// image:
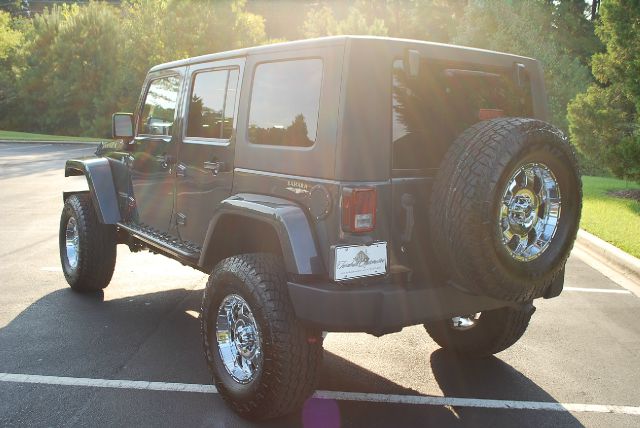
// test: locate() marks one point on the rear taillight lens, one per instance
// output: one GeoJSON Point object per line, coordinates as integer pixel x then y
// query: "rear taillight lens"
{"type": "Point", "coordinates": [358, 209]}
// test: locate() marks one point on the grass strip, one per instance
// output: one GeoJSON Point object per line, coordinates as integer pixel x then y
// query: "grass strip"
{"type": "Point", "coordinates": [611, 218]}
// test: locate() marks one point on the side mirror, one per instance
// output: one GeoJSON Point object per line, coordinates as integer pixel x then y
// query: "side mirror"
{"type": "Point", "coordinates": [122, 126]}
{"type": "Point", "coordinates": [412, 62]}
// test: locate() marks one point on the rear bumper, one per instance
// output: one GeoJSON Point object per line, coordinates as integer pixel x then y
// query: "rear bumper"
{"type": "Point", "coordinates": [381, 308]}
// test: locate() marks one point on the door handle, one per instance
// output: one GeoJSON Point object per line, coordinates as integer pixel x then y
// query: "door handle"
{"type": "Point", "coordinates": [215, 166]}
{"type": "Point", "coordinates": [166, 160]}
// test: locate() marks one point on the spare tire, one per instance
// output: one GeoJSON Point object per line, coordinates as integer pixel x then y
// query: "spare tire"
{"type": "Point", "coordinates": [505, 208]}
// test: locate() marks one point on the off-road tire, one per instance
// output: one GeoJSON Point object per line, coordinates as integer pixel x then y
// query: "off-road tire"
{"type": "Point", "coordinates": [495, 331]}
{"type": "Point", "coordinates": [96, 247]}
{"type": "Point", "coordinates": [291, 353]}
{"type": "Point", "coordinates": [467, 197]}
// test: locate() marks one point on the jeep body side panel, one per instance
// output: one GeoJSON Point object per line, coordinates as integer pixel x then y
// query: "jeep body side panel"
{"type": "Point", "coordinates": [320, 201]}
{"type": "Point", "coordinates": [289, 221]}
{"type": "Point", "coordinates": [101, 185]}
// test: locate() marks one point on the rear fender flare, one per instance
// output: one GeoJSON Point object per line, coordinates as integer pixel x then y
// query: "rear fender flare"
{"type": "Point", "coordinates": [297, 241]}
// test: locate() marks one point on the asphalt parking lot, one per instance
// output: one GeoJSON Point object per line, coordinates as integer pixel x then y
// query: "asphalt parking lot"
{"type": "Point", "coordinates": [132, 355]}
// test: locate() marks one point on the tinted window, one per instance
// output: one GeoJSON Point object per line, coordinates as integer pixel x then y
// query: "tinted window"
{"type": "Point", "coordinates": [285, 102]}
{"type": "Point", "coordinates": [212, 104]}
{"type": "Point", "coordinates": [431, 110]}
{"type": "Point", "coordinates": [160, 106]}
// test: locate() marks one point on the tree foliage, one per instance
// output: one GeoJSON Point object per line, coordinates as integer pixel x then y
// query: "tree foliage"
{"type": "Point", "coordinates": [12, 33]}
{"type": "Point", "coordinates": [83, 62]}
{"type": "Point", "coordinates": [432, 20]}
{"type": "Point", "coordinates": [605, 120]}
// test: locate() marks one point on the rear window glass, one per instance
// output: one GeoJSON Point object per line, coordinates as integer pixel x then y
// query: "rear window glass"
{"type": "Point", "coordinates": [212, 104]}
{"type": "Point", "coordinates": [285, 102]}
{"type": "Point", "coordinates": [432, 109]}
{"type": "Point", "coordinates": [159, 108]}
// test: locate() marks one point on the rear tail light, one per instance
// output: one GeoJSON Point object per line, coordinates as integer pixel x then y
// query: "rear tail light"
{"type": "Point", "coordinates": [358, 209]}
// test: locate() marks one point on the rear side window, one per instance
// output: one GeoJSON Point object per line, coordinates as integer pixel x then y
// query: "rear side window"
{"type": "Point", "coordinates": [212, 104]}
{"type": "Point", "coordinates": [158, 112]}
{"type": "Point", "coordinates": [285, 102]}
{"type": "Point", "coordinates": [432, 109]}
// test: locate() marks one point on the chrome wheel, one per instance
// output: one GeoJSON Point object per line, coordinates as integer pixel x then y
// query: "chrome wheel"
{"type": "Point", "coordinates": [467, 322]}
{"type": "Point", "coordinates": [238, 339]}
{"type": "Point", "coordinates": [530, 211]}
{"type": "Point", "coordinates": [72, 242]}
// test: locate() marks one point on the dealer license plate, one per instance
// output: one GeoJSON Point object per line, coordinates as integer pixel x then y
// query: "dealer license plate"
{"type": "Point", "coordinates": [357, 261]}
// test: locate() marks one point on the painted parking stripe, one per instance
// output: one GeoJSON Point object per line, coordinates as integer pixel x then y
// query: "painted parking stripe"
{"type": "Point", "coordinates": [330, 395]}
{"type": "Point", "coordinates": [476, 402]}
{"type": "Point", "coordinates": [108, 383]}
{"type": "Point", "coordinates": [598, 290]}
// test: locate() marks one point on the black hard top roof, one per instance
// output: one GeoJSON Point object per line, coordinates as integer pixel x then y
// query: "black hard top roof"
{"type": "Point", "coordinates": [312, 43]}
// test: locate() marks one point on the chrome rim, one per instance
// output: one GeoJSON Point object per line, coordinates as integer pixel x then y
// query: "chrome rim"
{"type": "Point", "coordinates": [72, 242]}
{"type": "Point", "coordinates": [464, 322]}
{"type": "Point", "coordinates": [238, 339]}
{"type": "Point", "coordinates": [530, 211]}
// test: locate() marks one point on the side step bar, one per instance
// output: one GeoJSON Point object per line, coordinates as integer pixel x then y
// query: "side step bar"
{"type": "Point", "coordinates": [186, 251]}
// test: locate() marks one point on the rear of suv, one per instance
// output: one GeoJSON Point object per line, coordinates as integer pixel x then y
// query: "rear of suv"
{"type": "Point", "coordinates": [336, 184]}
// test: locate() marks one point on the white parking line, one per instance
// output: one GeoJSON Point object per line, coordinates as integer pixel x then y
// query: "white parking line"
{"type": "Point", "coordinates": [331, 395]}
{"type": "Point", "coordinates": [614, 275]}
{"type": "Point", "coordinates": [598, 290]}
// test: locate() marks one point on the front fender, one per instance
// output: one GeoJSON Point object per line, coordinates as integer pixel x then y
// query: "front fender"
{"type": "Point", "coordinates": [289, 221]}
{"type": "Point", "coordinates": [101, 186]}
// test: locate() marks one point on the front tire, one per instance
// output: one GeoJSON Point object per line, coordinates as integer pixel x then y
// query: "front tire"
{"type": "Point", "coordinates": [484, 334]}
{"type": "Point", "coordinates": [263, 361]}
{"type": "Point", "coordinates": [87, 247]}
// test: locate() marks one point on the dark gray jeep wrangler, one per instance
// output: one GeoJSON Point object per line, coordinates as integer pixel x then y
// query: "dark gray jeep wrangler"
{"type": "Point", "coordinates": [352, 184]}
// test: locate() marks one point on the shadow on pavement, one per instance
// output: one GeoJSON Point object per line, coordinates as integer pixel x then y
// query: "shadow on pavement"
{"type": "Point", "coordinates": [155, 337]}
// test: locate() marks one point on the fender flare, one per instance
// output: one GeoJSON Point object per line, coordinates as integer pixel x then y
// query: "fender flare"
{"type": "Point", "coordinates": [101, 186]}
{"type": "Point", "coordinates": [297, 240]}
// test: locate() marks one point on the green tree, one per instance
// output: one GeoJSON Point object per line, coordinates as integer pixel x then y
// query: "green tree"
{"type": "Point", "coordinates": [323, 22]}
{"type": "Point", "coordinates": [605, 120]}
{"type": "Point", "coordinates": [73, 58]}
{"type": "Point", "coordinates": [11, 64]}
{"type": "Point", "coordinates": [573, 30]}
{"type": "Point", "coordinates": [433, 20]}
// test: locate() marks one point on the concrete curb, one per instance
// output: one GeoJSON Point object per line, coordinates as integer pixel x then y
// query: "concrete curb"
{"type": "Point", "coordinates": [623, 262]}
{"type": "Point", "coordinates": [91, 143]}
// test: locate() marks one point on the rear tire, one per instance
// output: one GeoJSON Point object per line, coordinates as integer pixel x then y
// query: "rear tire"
{"type": "Point", "coordinates": [505, 208]}
{"type": "Point", "coordinates": [270, 368]}
{"type": "Point", "coordinates": [493, 332]}
{"type": "Point", "coordinates": [87, 247]}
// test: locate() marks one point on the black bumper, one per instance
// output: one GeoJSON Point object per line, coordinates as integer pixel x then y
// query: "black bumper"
{"type": "Point", "coordinates": [381, 308]}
